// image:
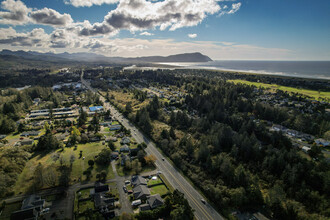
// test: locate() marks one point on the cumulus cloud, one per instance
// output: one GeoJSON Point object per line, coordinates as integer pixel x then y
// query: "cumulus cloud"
{"type": "Point", "coordinates": [16, 12]}
{"type": "Point", "coordinates": [51, 17]}
{"type": "Point", "coordinates": [145, 33]}
{"type": "Point", "coordinates": [36, 38]}
{"type": "Point", "coordinates": [192, 35]}
{"type": "Point", "coordinates": [137, 15]}
{"type": "Point", "coordinates": [89, 3]}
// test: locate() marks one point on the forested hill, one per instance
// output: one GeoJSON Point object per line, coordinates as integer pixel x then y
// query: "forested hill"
{"type": "Point", "coordinates": [97, 58]}
{"type": "Point", "coordinates": [185, 57]}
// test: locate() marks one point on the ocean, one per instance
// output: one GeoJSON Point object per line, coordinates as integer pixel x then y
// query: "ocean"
{"type": "Point", "coordinates": [304, 69]}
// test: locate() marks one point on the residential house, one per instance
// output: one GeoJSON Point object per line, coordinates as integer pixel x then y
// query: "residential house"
{"type": "Point", "coordinates": [99, 188]}
{"type": "Point", "coordinates": [31, 207]}
{"type": "Point", "coordinates": [102, 202]}
{"type": "Point", "coordinates": [114, 155]}
{"type": "Point", "coordinates": [138, 180]}
{"type": "Point", "coordinates": [30, 133]}
{"type": "Point", "coordinates": [155, 201]}
{"type": "Point", "coordinates": [2, 136]}
{"type": "Point", "coordinates": [26, 142]}
{"type": "Point", "coordinates": [322, 142]}
{"type": "Point", "coordinates": [115, 127]}
{"type": "Point", "coordinates": [144, 207]}
{"type": "Point", "coordinates": [125, 140]}
{"type": "Point", "coordinates": [141, 192]}
{"type": "Point", "coordinates": [125, 149]}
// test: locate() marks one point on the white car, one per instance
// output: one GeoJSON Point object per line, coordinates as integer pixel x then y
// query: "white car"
{"type": "Point", "coordinates": [159, 172]}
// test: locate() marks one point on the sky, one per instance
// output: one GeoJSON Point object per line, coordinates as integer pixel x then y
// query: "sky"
{"type": "Point", "coordinates": [221, 29]}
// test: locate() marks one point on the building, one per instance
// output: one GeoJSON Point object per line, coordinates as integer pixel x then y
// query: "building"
{"type": "Point", "coordinates": [26, 142]}
{"type": "Point", "coordinates": [125, 149]}
{"type": "Point", "coordinates": [155, 201]}
{"type": "Point", "coordinates": [138, 180]}
{"type": "Point", "coordinates": [141, 192]}
{"type": "Point", "coordinates": [125, 140]}
{"type": "Point", "coordinates": [31, 207]}
{"type": "Point", "coordinates": [322, 142]}
{"type": "Point", "coordinates": [30, 133]}
{"type": "Point", "coordinates": [115, 127]}
{"type": "Point", "coordinates": [2, 136]}
{"type": "Point", "coordinates": [99, 188]}
{"type": "Point", "coordinates": [96, 109]}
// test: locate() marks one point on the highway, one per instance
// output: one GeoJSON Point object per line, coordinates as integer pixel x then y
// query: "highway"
{"type": "Point", "coordinates": [201, 211]}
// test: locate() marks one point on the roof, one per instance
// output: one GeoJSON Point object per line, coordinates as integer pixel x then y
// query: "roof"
{"type": "Point", "coordinates": [99, 187]}
{"type": "Point", "coordinates": [30, 213]}
{"type": "Point", "coordinates": [141, 191]}
{"type": "Point", "coordinates": [95, 108]}
{"type": "Point", "coordinates": [30, 133]}
{"type": "Point", "coordinates": [32, 201]}
{"type": "Point", "coordinates": [144, 207]}
{"type": "Point", "coordinates": [138, 180]}
{"type": "Point", "coordinates": [155, 201]}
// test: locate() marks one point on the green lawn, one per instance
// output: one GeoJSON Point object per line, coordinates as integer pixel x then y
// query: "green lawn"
{"type": "Point", "coordinates": [84, 193]}
{"type": "Point", "coordinates": [9, 208]}
{"type": "Point", "coordinates": [160, 189]}
{"type": "Point", "coordinates": [83, 206]}
{"type": "Point", "coordinates": [273, 87]}
{"type": "Point", "coordinates": [154, 182]}
{"type": "Point", "coordinates": [90, 150]}
{"type": "Point", "coordinates": [169, 186]}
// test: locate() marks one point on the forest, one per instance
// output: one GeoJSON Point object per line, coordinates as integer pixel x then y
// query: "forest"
{"type": "Point", "coordinates": [237, 163]}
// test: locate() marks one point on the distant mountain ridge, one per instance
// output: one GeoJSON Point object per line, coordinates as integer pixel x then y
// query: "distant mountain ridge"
{"type": "Point", "coordinates": [92, 57]}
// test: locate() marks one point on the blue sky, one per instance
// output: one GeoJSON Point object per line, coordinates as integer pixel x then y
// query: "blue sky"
{"type": "Point", "coordinates": [224, 30]}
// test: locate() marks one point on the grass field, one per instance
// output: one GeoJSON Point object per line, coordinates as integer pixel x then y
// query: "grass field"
{"type": "Point", "coordinates": [273, 87]}
{"type": "Point", "coordinates": [154, 182]}
{"type": "Point", "coordinates": [160, 189]}
{"type": "Point", "coordinates": [122, 172]}
{"type": "Point", "coordinates": [90, 150]}
{"type": "Point", "coordinates": [121, 99]}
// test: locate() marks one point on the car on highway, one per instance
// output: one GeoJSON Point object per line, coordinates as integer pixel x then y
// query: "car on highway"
{"type": "Point", "coordinates": [163, 159]}
{"type": "Point", "coordinates": [159, 172]}
{"type": "Point", "coordinates": [203, 201]}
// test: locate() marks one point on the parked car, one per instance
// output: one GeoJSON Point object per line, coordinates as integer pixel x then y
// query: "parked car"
{"type": "Point", "coordinates": [125, 189]}
{"type": "Point", "coordinates": [127, 182]}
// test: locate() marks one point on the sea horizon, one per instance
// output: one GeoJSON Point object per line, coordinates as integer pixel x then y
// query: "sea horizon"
{"type": "Point", "coordinates": [300, 69]}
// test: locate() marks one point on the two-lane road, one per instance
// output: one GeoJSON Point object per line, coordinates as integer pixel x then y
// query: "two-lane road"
{"type": "Point", "coordinates": [202, 211]}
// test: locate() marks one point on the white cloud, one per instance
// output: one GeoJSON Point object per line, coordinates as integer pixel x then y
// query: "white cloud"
{"type": "Point", "coordinates": [16, 12]}
{"type": "Point", "coordinates": [235, 7]}
{"type": "Point", "coordinates": [145, 33]}
{"type": "Point", "coordinates": [192, 35]}
{"type": "Point", "coordinates": [89, 3]}
{"type": "Point", "coordinates": [51, 17]}
{"type": "Point", "coordinates": [137, 15]}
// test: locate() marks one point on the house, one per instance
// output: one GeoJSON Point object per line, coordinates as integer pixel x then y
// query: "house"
{"type": "Point", "coordinates": [141, 192]}
{"type": "Point", "coordinates": [102, 202]}
{"type": "Point", "coordinates": [306, 149]}
{"type": "Point", "coordinates": [144, 207]}
{"type": "Point", "coordinates": [125, 140]}
{"type": "Point", "coordinates": [138, 180]}
{"type": "Point", "coordinates": [154, 201]}
{"type": "Point", "coordinates": [2, 136]}
{"type": "Point", "coordinates": [33, 201]}
{"type": "Point", "coordinates": [99, 188]}
{"type": "Point", "coordinates": [322, 142]}
{"type": "Point", "coordinates": [114, 155]}
{"type": "Point", "coordinates": [123, 160]}
{"type": "Point", "coordinates": [26, 214]}
{"type": "Point", "coordinates": [125, 149]}
{"type": "Point", "coordinates": [96, 109]}
{"type": "Point", "coordinates": [115, 127]}
{"type": "Point", "coordinates": [26, 142]}
{"type": "Point", "coordinates": [30, 133]}
{"type": "Point", "coordinates": [113, 139]}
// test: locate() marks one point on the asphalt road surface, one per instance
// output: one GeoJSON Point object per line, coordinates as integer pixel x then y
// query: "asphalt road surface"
{"type": "Point", "coordinates": [202, 211]}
